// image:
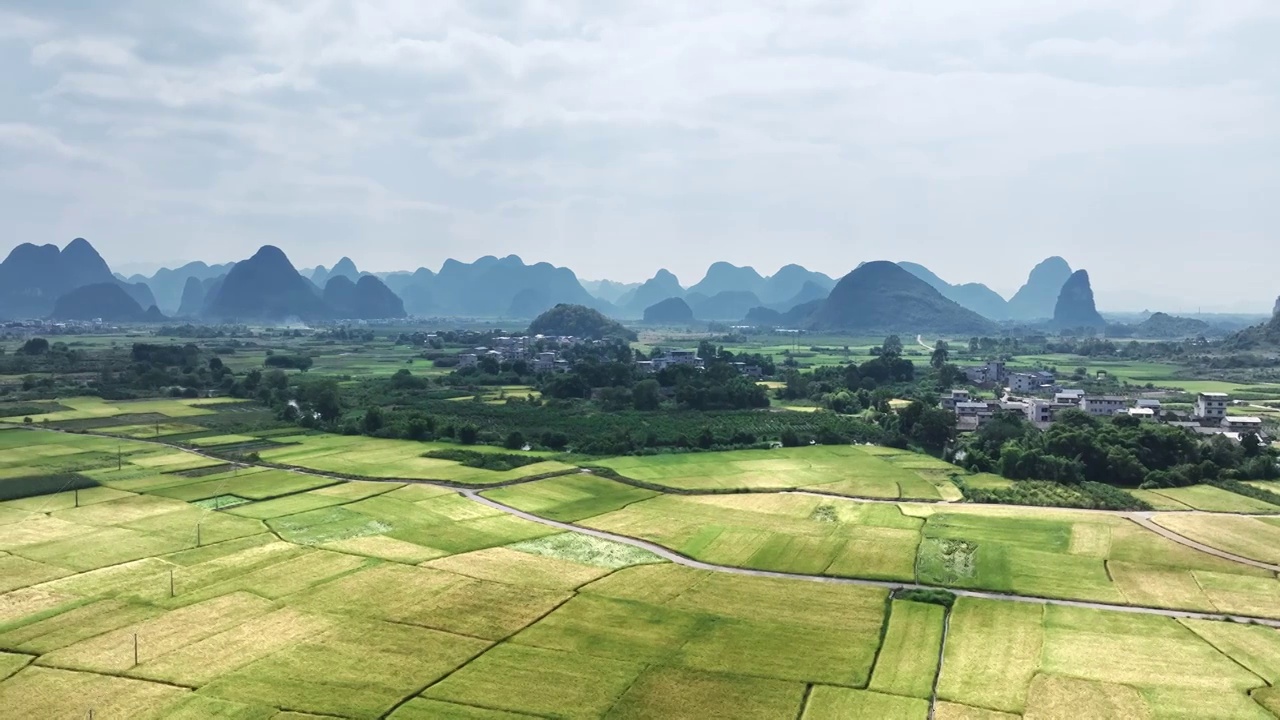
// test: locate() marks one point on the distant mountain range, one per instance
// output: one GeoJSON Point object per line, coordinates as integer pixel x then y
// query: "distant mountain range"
{"type": "Point", "coordinates": [267, 286]}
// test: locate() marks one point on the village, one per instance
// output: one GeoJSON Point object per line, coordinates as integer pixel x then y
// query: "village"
{"type": "Point", "coordinates": [1040, 397]}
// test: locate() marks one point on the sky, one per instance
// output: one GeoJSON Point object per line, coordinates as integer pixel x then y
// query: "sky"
{"type": "Point", "coordinates": [1139, 140]}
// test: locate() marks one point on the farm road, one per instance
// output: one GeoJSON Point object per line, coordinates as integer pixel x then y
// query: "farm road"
{"type": "Point", "coordinates": [1142, 519]}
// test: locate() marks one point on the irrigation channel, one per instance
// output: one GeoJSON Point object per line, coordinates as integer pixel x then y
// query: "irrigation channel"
{"type": "Point", "coordinates": [471, 493]}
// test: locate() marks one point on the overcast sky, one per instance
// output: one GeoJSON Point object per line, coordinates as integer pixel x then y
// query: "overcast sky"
{"type": "Point", "coordinates": [1138, 139]}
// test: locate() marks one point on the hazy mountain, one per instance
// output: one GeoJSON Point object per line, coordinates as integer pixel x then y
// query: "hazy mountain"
{"type": "Point", "coordinates": [673, 310]}
{"type": "Point", "coordinates": [723, 277]}
{"type": "Point", "coordinates": [974, 296]}
{"type": "Point", "coordinates": [726, 305]}
{"type": "Point", "coordinates": [107, 301]}
{"type": "Point", "coordinates": [265, 287]}
{"type": "Point", "coordinates": [344, 268]}
{"type": "Point", "coordinates": [168, 285]}
{"type": "Point", "coordinates": [1265, 335]}
{"type": "Point", "coordinates": [882, 296]}
{"type": "Point", "coordinates": [1163, 325]}
{"type": "Point", "coordinates": [366, 299]}
{"type": "Point", "coordinates": [1038, 297]}
{"type": "Point", "coordinates": [608, 290]}
{"type": "Point", "coordinates": [1075, 307]}
{"type": "Point", "coordinates": [33, 277]}
{"type": "Point", "coordinates": [578, 321]}
{"type": "Point", "coordinates": [490, 286]}
{"type": "Point", "coordinates": [192, 301]}
{"type": "Point", "coordinates": [790, 281]}
{"type": "Point", "coordinates": [661, 286]}
{"type": "Point", "coordinates": [807, 294]}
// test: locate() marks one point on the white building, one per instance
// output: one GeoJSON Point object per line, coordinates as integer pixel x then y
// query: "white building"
{"type": "Point", "coordinates": [677, 357]}
{"type": "Point", "coordinates": [1142, 413]}
{"type": "Point", "coordinates": [1103, 405]}
{"type": "Point", "coordinates": [1212, 405]}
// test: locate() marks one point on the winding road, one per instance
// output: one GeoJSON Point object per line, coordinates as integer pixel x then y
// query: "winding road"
{"type": "Point", "coordinates": [1141, 518]}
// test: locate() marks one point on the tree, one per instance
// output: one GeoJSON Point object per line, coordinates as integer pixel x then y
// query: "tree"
{"type": "Point", "coordinates": [34, 346]}
{"type": "Point", "coordinates": [514, 441]}
{"type": "Point", "coordinates": [372, 420]}
{"type": "Point", "coordinates": [646, 395]}
{"type": "Point", "coordinates": [892, 345]}
{"type": "Point", "coordinates": [467, 434]}
{"type": "Point", "coordinates": [934, 429]}
{"type": "Point", "coordinates": [940, 356]}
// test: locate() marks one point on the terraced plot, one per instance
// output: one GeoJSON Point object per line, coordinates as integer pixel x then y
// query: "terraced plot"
{"type": "Point", "coordinates": [842, 470]}
{"type": "Point", "coordinates": [377, 458]}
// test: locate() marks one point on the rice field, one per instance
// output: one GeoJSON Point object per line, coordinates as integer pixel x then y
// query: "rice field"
{"type": "Point", "coordinates": [1042, 552]}
{"type": "Point", "coordinates": [377, 458]}
{"type": "Point", "coordinates": [144, 596]}
{"type": "Point", "coordinates": [841, 470]}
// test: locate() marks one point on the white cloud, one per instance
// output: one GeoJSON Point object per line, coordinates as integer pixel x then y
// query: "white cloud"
{"type": "Point", "coordinates": [620, 137]}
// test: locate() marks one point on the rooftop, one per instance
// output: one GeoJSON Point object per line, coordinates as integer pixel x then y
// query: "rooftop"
{"type": "Point", "coordinates": [1214, 395]}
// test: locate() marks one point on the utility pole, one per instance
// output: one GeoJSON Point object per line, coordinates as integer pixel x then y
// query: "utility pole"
{"type": "Point", "coordinates": [77, 497]}
{"type": "Point", "coordinates": [119, 457]}
{"type": "Point", "coordinates": [170, 582]}
{"type": "Point", "coordinates": [135, 649]}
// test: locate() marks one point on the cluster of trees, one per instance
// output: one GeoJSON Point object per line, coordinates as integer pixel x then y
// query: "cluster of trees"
{"type": "Point", "coordinates": [1116, 451]}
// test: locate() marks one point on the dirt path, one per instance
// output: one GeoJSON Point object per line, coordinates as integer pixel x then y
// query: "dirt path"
{"type": "Point", "coordinates": [1144, 519]}
{"type": "Point", "coordinates": [675, 557]}
{"type": "Point", "coordinates": [1141, 518]}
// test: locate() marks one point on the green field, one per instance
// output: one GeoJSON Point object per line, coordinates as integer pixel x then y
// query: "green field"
{"type": "Point", "coordinates": [377, 458]}
{"type": "Point", "coordinates": [1042, 552]}
{"type": "Point", "coordinates": [841, 470]}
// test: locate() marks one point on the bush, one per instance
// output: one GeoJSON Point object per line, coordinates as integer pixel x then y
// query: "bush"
{"type": "Point", "coordinates": [933, 597]}
{"type": "Point", "coordinates": [499, 462]}
{"type": "Point", "coordinates": [467, 434]}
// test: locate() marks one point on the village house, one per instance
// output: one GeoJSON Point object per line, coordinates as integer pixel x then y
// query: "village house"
{"type": "Point", "coordinates": [1212, 405]}
{"type": "Point", "coordinates": [1104, 405]}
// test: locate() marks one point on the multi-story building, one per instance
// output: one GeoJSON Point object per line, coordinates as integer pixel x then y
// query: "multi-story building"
{"type": "Point", "coordinates": [957, 396]}
{"type": "Point", "coordinates": [468, 359]}
{"type": "Point", "coordinates": [1212, 405]}
{"type": "Point", "coordinates": [544, 362]}
{"type": "Point", "coordinates": [1030, 382]}
{"type": "Point", "coordinates": [1103, 405]}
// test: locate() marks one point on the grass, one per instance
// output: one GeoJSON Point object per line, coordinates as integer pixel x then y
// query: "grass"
{"type": "Point", "coordinates": [377, 458]}
{"type": "Point", "coordinates": [908, 658]}
{"type": "Point", "coordinates": [569, 498]}
{"type": "Point", "coordinates": [1247, 537]}
{"type": "Point", "coordinates": [385, 662]}
{"type": "Point", "coordinates": [535, 680]}
{"type": "Point", "coordinates": [1212, 499]}
{"type": "Point", "coordinates": [669, 692]}
{"type": "Point", "coordinates": [842, 470]}
{"type": "Point", "coordinates": [992, 652]}
{"type": "Point", "coordinates": [586, 550]}
{"type": "Point", "coordinates": [832, 703]}
{"type": "Point", "coordinates": [54, 693]}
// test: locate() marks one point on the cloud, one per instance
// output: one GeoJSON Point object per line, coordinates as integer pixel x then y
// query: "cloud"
{"type": "Point", "coordinates": [621, 137]}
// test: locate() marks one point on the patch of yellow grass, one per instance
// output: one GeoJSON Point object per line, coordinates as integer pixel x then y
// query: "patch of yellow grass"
{"type": "Point", "coordinates": [48, 693]}
{"type": "Point", "coordinates": [1159, 587]}
{"type": "Point", "coordinates": [505, 565]}
{"type": "Point", "coordinates": [1058, 698]}
{"type": "Point", "coordinates": [29, 601]}
{"type": "Point", "coordinates": [386, 548]}
{"type": "Point", "coordinates": [1090, 540]}
{"type": "Point", "coordinates": [112, 652]}
{"type": "Point", "coordinates": [955, 711]}
{"type": "Point", "coordinates": [204, 661]}
{"type": "Point", "coordinates": [992, 652]}
{"type": "Point", "coordinates": [1245, 536]}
